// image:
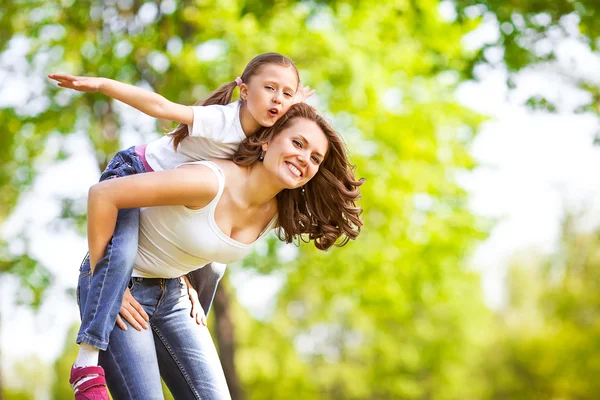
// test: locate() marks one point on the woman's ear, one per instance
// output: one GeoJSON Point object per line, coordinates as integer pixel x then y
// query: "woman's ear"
{"type": "Point", "coordinates": [265, 146]}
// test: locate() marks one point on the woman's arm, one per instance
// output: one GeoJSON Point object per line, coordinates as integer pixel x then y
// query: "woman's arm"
{"type": "Point", "coordinates": [144, 100]}
{"type": "Point", "coordinates": [193, 186]}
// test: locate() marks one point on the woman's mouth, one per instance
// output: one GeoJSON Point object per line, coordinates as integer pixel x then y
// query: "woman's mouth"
{"type": "Point", "coordinates": [294, 170]}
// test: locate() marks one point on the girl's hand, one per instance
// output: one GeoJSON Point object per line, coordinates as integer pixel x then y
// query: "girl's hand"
{"type": "Point", "coordinates": [80, 83]}
{"type": "Point", "coordinates": [197, 311]}
{"type": "Point", "coordinates": [133, 312]}
{"type": "Point", "coordinates": [303, 93]}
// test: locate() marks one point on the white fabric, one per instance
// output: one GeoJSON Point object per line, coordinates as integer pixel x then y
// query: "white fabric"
{"type": "Point", "coordinates": [175, 240]}
{"type": "Point", "coordinates": [216, 132]}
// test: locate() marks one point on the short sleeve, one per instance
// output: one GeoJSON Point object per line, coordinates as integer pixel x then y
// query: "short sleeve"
{"type": "Point", "coordinates": [210, 122]}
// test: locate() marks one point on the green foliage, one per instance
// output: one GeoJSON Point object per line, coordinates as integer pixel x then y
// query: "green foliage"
{"type": "Point", "coordinates": [34, 277]}
{"type": "Point", "coordinates": [552, 325]}
{"type": "Point", "coordinates": [61, 389]}
{"type": "Point", "coordinates": [528, 33]}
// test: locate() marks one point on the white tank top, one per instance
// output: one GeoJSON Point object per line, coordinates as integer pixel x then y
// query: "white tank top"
{"type": "Point", "coordinates": [174, 240]}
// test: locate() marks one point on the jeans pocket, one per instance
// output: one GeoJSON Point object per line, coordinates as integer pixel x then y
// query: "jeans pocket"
{"type": "Point", "coordinates": [118, 167]}
{"type": "Point", "coordinates": [77, 294]}
{"type": "Point", "coordinates": [85, 264]}
{"type": "Point", "coordinates": [133, 281]}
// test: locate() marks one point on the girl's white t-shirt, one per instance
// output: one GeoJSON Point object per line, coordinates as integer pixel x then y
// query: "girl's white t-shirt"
{"type": "Point", "coordinates": [216, 132]}
{"type": "Point", "coordinates": [175, 240]}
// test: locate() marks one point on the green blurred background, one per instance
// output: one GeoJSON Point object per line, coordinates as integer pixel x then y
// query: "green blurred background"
{"type": "Point", "coordinates": [401, 313]}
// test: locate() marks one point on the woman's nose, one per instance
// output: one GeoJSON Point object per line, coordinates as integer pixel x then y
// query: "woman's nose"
{"type": "Point", "coordinates": [302, 160]}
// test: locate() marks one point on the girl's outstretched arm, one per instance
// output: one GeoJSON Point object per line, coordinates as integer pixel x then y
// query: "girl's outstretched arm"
{"type": "Point", "coordinates": [144, 100]}
{"type": "Point", "coordinates": [193, 186]}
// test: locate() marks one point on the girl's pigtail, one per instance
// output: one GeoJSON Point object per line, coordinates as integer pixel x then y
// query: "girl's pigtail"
{"type": "Point", "coordinates": [221, 96]}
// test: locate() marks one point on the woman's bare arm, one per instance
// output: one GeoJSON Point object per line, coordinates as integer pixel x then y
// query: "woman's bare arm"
{"type": "Point", "coordinates": [193, 186]}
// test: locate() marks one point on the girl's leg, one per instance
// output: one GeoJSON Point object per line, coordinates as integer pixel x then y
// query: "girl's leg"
{"type": "Point", "coordinates": [130, 361]}
{"type": "Point", "coordinates": [108, 282]}
{"type": "Point", "coordinates": [187, 356]}
{"type": "Point", "coordinates": [100, 295]}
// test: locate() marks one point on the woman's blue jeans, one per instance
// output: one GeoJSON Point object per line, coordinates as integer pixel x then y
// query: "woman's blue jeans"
{"type": "Point", "coordinates": [175, 347]}
{"type": "Point", "coordinates": [107, 285]}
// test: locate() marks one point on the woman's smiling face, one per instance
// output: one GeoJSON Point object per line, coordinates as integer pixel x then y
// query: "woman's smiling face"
{"type": "Point", "coordinates": [295, 154]}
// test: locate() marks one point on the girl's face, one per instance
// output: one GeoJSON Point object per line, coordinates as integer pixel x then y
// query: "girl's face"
{"type": "Point", "coordinates": [295, 154]}
{"type": "Point", "coordinates": [270, 93]}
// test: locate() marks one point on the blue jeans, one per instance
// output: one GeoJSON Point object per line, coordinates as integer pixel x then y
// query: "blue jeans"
{"type": "Point", "coordinates": [112, 273]}
{"type": "Point", "coordinates": [174, 348]}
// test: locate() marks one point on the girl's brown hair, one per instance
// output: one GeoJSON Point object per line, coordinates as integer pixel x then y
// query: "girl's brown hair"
{"type": "Point", "coordinates": [223, 94]}
{"type": "Point", "coordinates": [326, 210]}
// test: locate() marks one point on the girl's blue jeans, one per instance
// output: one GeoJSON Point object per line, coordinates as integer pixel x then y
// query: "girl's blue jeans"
{"type": "Point", "coordinates": [175, 347]}
{"type": "Point", "coordinates": [106, 286]}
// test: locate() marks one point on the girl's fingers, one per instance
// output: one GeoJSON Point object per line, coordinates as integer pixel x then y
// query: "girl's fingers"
{"type": "Point", "coordinates": [62, 77]}
{"type": "Point", "coordinates": [66, 85]}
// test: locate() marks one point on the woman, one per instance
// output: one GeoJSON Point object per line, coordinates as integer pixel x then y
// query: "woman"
{"type": "Point", "coordinates": [294, 176]}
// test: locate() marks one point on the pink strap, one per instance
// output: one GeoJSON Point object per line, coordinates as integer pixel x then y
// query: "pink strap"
{"type": "Point", "coordinates": [78, 373]}
{"type": "Point", "coordinates": [97, 381]}
{"type": "Point", "coordinates": [238, 81]}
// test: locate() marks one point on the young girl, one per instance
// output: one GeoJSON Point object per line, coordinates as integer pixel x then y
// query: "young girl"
{"type": "Point", "coordinates": [269, 85]}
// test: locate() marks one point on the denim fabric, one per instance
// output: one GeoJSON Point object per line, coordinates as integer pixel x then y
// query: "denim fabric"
{"type": "Point", "coordinates": [110, 277]}
{"type": "Point", "coordinates": [109, 280]}
{"type": "Point", "coordinates": [174, 347]}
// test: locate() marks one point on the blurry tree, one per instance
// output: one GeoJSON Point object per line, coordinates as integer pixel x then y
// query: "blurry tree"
{"type": "Point", "coordinates": [550, 337]}
{"type": "Point", "coordinates": [62, 366]}
{"type": "Point", "coordinates": [525, 24]}
{"type": "Point", "coordinates": [30, 380]}
{"type": "Point", "coordinates": [529, 33]}
{"type": "Point", "coordinates": [397, 314]}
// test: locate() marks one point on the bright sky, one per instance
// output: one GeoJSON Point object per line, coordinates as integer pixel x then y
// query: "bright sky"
{"type": "Point", "coordinates": [534, 165]}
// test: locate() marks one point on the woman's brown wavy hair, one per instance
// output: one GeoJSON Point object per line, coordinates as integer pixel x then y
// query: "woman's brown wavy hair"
{"type": "Point", "coordinates": [327, 210]}
{"type": "Point", "coordinates": [223, 94]}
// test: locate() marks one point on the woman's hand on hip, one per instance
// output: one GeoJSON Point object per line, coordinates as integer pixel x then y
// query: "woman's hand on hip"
{"type": "Point", "coordinates": [133, 312]}
{"type": "Point", "coordinates": [197, 311]}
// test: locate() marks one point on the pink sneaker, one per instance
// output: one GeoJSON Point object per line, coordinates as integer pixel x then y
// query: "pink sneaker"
{"type": "Point", "coordinates": [91, 389]}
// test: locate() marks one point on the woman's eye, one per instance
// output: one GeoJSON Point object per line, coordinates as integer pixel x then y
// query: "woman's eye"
{"type": "Point", "coordinates": [297, 143]}
{"type": "Point", "coordinates": [316, 160]}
